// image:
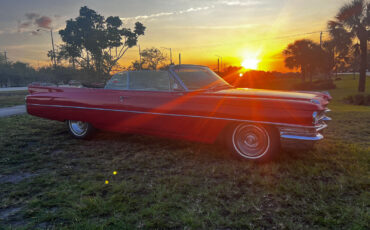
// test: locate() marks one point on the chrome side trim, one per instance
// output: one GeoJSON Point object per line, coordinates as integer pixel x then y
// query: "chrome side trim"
{"type": "Point", "coordinates": [327, 119]}
{"type": "Point", "coordinates": [316, 138]}
{"type": "Point", "coordinates": [177, 115]}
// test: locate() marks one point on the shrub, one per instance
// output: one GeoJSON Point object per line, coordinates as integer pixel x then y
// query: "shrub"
{"type": "Point", "coordinates": [358, 99]}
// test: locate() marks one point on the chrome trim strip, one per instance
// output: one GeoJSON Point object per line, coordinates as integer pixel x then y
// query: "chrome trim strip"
{"type": "Point", "coordinates": [316, 138]}
{"type": "Point", "coordinates": [321, 127]}
{"type": "Point", "coordinates": [176, 115]}
{"type": "Point", "coordinates": [207, 94]}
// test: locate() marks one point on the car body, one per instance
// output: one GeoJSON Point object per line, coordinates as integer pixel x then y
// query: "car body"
{"type": "Point", "coordinates": [186, 102]}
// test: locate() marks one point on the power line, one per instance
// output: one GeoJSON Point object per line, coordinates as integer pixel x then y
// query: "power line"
{"type": "Point", "coordinates": [259, 40]}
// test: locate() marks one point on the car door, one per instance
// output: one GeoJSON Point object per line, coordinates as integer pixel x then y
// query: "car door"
{"type": "Point", "coordinates": [148, 102]}
{"type": "Point", "coordinates": [156, 104]}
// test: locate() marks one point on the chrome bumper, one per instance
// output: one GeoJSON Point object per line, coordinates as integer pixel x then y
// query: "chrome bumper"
{"type": "Point", "coordinates": [304, 137]}
{"type": "Point", "coordinates": [307, 134]}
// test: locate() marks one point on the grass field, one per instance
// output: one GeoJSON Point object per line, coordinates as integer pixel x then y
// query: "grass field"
{"type": "Point", "coordinates": [13, 98]}
{"type": "Point", "coordinates": [49, 180]}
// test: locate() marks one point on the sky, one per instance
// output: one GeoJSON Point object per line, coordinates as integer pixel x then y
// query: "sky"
{"type": "Point", "coordinates": [201, 30]}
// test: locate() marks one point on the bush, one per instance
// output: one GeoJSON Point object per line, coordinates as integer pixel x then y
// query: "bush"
{"type": "Point", "coordinates": [358, 99]}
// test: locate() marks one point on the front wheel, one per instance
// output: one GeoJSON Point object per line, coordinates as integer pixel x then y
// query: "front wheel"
{"type": "Point", "coordinates": [254, 142]}
{"type": "Point", "coordinates": [80, 129]}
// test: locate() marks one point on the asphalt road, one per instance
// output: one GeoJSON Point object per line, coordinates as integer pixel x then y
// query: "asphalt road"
{"type": "Point", "coordinates": [9, 111]}
{"type": "Point", "coordinates": [13, 89]}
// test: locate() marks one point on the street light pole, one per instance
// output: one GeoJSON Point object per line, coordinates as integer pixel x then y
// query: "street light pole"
{"type": "Point", "coordinates": [52, 44]}
{"type": "Point", "coordinates": [139, 58]}
{"type": "Point", "coordinates": [170, 49]}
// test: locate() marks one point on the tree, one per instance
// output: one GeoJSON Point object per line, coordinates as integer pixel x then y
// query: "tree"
{"type": "Point", "coordinates": [135, 65]}
{"type": "Point", "coordinates": [2, 59]}
{"type": "Point", "coordinates": [355, 59]}
{"type": "Point", "coordinates": [151, 58]}
{"type": "Point", "coordinates": [304, 55]}
{"type": "Point", "coordinates": [97, 43]}
{"type": "Point", "coordinates": [354, 18]}
{"type": "Point", "coordinates": [336, 49]}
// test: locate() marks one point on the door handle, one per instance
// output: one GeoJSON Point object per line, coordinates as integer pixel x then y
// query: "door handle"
{"type": "Point", "coordinates": [121, 98]}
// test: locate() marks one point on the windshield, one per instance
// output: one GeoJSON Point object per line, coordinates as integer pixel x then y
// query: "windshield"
{"type": "Point", "coordinates": [200, 78]}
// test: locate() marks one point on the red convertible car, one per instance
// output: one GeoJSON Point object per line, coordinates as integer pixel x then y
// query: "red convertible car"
{"type": "Point", "coordinates": [187, 102]}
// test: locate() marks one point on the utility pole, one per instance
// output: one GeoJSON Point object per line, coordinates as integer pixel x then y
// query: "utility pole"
{"type": "Point", "coordinates": [171, 56]}
{"type": "Point", "coordinates": [179, 58]}
{"type": "Point", "coordinates": [321, 39]}
{"type": "Point", "coordinates": [218, 65]}
{"type": "Point", "coordinates": [139, 58]}
{"type": "Point", "coordinates": [221, 64]}
{"type": "Point", "coordinates": [6, 59]}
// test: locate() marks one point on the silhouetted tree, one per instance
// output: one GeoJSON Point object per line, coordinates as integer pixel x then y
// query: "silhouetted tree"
{"type": "Point", "coordinates": [354, 17]}
{"type": "Point", "coordinates": [304, 55]}
{"type": "Point", "coordinates": [152, 57]}
{"type": "Point", "coordinates": [95, 42]}
{"type": "Point", "coordinates": [337, 49]}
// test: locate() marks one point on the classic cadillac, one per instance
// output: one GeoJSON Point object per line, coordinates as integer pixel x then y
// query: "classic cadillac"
{"type": "Point", "coordinates": [188, 102]}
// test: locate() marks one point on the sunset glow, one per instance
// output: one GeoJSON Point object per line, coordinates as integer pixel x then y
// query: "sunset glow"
{"type": "Point", "coordinates": [234, 30]}
{"type": "Point", "coordinates": [250, 63]}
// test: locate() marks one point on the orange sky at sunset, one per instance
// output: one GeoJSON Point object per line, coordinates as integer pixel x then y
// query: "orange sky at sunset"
{"type": "Point", "coordinates": [239, 31]}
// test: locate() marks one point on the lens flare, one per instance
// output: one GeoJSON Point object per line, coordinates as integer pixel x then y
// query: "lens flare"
{"type": "Point", "coordinates": [250, 63]}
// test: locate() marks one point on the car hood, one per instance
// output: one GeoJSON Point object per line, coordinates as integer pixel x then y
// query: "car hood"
{"type": "Point", "coordinates": [262, 93]}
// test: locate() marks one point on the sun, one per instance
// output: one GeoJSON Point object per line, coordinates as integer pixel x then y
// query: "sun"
{"type": "Point", "coordinates": [250, 63]}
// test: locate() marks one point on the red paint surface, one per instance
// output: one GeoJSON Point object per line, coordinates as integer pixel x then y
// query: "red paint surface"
{"type": "Point", "coordinates": [243, 104]}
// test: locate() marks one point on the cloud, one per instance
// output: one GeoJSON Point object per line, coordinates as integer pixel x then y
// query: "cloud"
{"type": "Point", "coordinates": [240, 3]}
{"type": "Point", "coordinates": [31, 16]}
{"type": "Point", "coordinates": [33, 22]}
{"type": "Point", "coordinates": [152, 16]}
{"type": "Point", "coordinates": [194, 9]}
{"type": "Point", "coordinates": [43, 22]}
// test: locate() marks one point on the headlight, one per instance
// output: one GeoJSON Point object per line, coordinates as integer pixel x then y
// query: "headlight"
{"type": "Point", "coordinates": [315, 101]}
{"type": "Point", "coordinates": [315, 118]}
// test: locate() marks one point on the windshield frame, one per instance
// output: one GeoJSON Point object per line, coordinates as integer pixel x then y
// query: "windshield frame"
{"type": "Point", "coordinates": [173, 69]}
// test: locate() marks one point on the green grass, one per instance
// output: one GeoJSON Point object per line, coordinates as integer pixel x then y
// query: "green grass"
{"type": "Point", "coordinates": [164, 183]}
{"type": "Point", "coordinates": [12, 98]}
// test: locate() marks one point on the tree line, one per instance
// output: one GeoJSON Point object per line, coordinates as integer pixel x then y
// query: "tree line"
{"type": "Point", "coordinates": [345, 50]}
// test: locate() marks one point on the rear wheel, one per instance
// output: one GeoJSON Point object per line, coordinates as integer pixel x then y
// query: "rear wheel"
{"type": "Point", "coordinates": [254, 142]}
{"type": "Point", "coordinates": [80, 129]}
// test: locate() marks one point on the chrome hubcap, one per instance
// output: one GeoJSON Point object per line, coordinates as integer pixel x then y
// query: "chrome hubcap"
{"type": "Point", "coordinates": [78, 128]}
{"type": "Point", "coordinates": [251, 141]}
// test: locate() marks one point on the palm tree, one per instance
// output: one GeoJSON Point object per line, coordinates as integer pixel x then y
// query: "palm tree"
{"type": "Point", "coordinates": [354, 18]}
{"type": "Point", "coordinates": [338, 47]}
{"type": "Point", "coordinates": [355, 56]}
{"type": "Point", "coordinates": [304, 55]}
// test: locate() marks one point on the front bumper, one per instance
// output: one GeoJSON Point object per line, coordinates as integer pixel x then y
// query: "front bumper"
{"type": "Point", "coordinates": [298, 137]}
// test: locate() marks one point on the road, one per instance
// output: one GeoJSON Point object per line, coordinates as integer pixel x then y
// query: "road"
{"type": "Point", "coordinates": [13, 89]}
{"type": "Point", "coordinates": [9, 111]}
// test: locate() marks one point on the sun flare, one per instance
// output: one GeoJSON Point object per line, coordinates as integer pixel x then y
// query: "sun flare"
{"type": "Point", "coordinates": [250, 63]}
